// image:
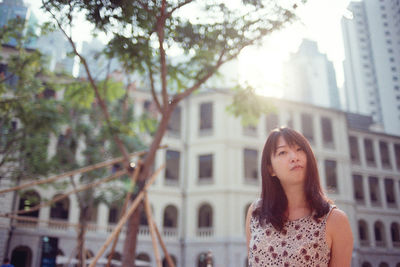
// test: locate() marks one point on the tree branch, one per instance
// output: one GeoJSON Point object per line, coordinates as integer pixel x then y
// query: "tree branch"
{"type": "Point", "coordinates": [178, 7]}
{"type": "Point", "coordinates": [153, 91]}
{"type": "Point", "coordinates": [92, 82]}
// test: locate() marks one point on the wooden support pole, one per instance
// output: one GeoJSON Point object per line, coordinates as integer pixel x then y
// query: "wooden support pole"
{"type": "Point", "coordinates": [126, 201]}
{"type": "Point", "coordinates": [74, 172]}
{"type": "Point", "coordinates": [123, 220]}
{"type": "Point", "coordinates": [152, 231]}
{"type": "Point", "coordinates": [167, 256]}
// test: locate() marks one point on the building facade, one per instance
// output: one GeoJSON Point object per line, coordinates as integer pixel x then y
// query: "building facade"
{"type": "Point", "coordinates": [199, 202]}
{"type": "Point", "coordinates": [372, 65]}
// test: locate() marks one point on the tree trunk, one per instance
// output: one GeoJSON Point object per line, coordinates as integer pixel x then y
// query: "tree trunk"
{"type": "Point", "coordinates": [129, 255]}
{"type": "Point", "coordinates": [83, 218]}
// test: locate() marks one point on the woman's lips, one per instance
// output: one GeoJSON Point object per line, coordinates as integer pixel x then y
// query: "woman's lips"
{"type": "Point", "coordinates": [297, 167]}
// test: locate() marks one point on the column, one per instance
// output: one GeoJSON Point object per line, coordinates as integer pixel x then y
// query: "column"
{"type": "Point", "coordinates": [382, 192]}
{"type": "Point", "coordinates": [102, 217]}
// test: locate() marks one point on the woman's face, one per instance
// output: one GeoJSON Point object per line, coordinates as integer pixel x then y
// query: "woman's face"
{"type": "Point", "coordinates": [289, 163]}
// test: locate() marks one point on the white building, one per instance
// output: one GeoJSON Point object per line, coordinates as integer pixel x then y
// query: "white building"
{"type": "Point", "coordinates": [212, 175]}
{"type": "Point", "coordinates": [310, 77]}
{"type": "Point", "coordinates": [372, 65]}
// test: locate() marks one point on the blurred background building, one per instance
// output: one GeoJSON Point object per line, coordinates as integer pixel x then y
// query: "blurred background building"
{"type": "Point", "coordinates": [310, 77]}
{"type": "Point", "coordinates": [372, 64]}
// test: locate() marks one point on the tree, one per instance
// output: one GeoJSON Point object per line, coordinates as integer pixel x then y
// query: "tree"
{"type": "Point", "coordinates": [145, 35]}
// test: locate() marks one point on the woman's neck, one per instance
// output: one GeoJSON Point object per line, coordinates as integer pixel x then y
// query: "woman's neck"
{"type": "Point", "coordinates": [297, 202]}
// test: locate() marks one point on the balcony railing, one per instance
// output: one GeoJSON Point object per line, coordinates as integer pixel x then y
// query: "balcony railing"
{"type": "Point", "coordinates": [364, 243]}
{"type": "Point", "coordinates": [170, 232]}
{"type": "Point", "coordinates": [396, 244]}
{"type": "Point", "coordinates": [205, 232]}
{"type": "Point", "coordinates": [380, 243]}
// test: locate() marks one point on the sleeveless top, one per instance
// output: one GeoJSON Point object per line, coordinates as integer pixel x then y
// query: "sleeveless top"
{"type": "Point", "coordinates": [301, 242]}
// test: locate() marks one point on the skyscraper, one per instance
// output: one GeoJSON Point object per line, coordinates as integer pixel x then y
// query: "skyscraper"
{"type": "Point", "coordinates": [310, 77]}
{"type": "Point", "coordinates": [11, 9]}
{"type": "Point", "coordinates": [372, 65]}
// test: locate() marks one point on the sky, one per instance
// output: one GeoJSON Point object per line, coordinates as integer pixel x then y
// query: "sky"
{"type": "Point", "coordinates": [262, 66]}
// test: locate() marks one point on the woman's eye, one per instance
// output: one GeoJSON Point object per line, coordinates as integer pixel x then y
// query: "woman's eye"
{"type": "Point", "coordinates": [299, 149]}
{"type": "Point", "coordinates": [281, 153]}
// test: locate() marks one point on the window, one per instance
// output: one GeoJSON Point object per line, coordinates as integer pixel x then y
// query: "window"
{"type": "Point", "coordinates": [385, 159]}
{"type": "Point", "coordinates": [369, 152]}
{"type": "Point", "coordinates": [60, 209]}
{"type": "Point", "coordinates": [389, 192]}
{"type": "Point", "coordinates": [358, 188]}
{"type": "Point", "coordinates": [174, 125]}
{"type": "Point", "coordinates": [172, 166]}
{"type": "Point", "coordinates": [374, 191]}
{"type": "Point", "coordinates": [327, 133]}
{"type": "Point", "coordinates": [205, 216]}
{"type": "Point", "coordinates": [170, 217]}
{"type": "Point", "coordinates": [114, 213]}
{"type": "Point", "coordinates": [331, 176]}
{"type": "Point", "coordinates": [363, 233]}
{"type": "Point", "coordinates": [250, 164]}
{"type": "Point", "coordinates": [354, 152]}
{"type": "Point", "coordinates": [395, 234]}
{"type": "Point", "coordinates": [202, 260]}
{"type": "Point", "coordinates": [27, 201]}
{"type": "Point", "coordinates": [205, 167]}
{"type": "Point", "coordinates": [206, 116]}
{"type": "Point", "coordinates": [271, 121]}
{"type": "Point", "coordinates": [397, 154]}
{"type": "Point", "coordinates": [379, 233]}
{"type": "Point", "coordinates": [307, 127]}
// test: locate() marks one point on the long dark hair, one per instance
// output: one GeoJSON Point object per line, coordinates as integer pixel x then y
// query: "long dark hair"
{"type": "Point", "coordinates": [274, 202]}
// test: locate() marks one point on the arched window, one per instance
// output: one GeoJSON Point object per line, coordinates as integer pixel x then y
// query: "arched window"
{"type": "Point", "coordinates": [21, 256]}
{"type": "Point", "coordinates": [170, 217]}
{"type": "Point", "coordinates": [143, 216]}
{"type": "Point", "coordinates": [363, 233]}
{"type": "Point", "coordinates": [115, 260]}
{"type": "Point", "coordinates": [395, 233]}
{"type": "Point", "coordinates": [28, 200]}
{"type": "Point", "coordinates": [366, 264]}
{"type": "Point", "coordinates": [60, 209]}
{"type": "Point", "coordinates": [114, 212]}
{"type": "Point", "coordinates": [379, 232]}
{"type": "Point", "coordinates": [205, 216]}
{"type": "Point", "coordinates": [383, 264]}
{"type": "Point", "coordinates": [165, 263]}
{"type": "Point", "coordinates": [202, 260]}
{"type": "Point", "coordinates": [143, 257]}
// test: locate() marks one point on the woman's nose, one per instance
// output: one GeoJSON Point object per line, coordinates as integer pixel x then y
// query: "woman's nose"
{"type": "Point", "coordinates": [293, 155]}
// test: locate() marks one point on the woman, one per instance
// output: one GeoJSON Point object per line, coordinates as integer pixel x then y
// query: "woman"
{"type": "Point", "coordinates": [293, 223]}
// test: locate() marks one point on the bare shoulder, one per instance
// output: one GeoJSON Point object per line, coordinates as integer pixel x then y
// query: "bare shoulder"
{"type": "Point", "coordinates": [337, 216]}
{"type": "Point", "coordinates": [338, 226]}
{"type": "Point", "coordinates": [340, 238]}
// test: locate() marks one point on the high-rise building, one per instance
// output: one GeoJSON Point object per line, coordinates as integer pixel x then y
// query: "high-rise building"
{"type": "Point", "coordinates": [372, 64]}
{"type": "Point", "coordinates": [56, 47]}
{"type": "Point", "coordinates": [12, 9]}
{"type": "Point", "coordinates": [310, 77]}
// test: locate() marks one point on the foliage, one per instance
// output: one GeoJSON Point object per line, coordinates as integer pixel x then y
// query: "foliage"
{"type": "Point", "coordinates": [26, 117]}
{"type": "Point", "coordinates": [249, 106]}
